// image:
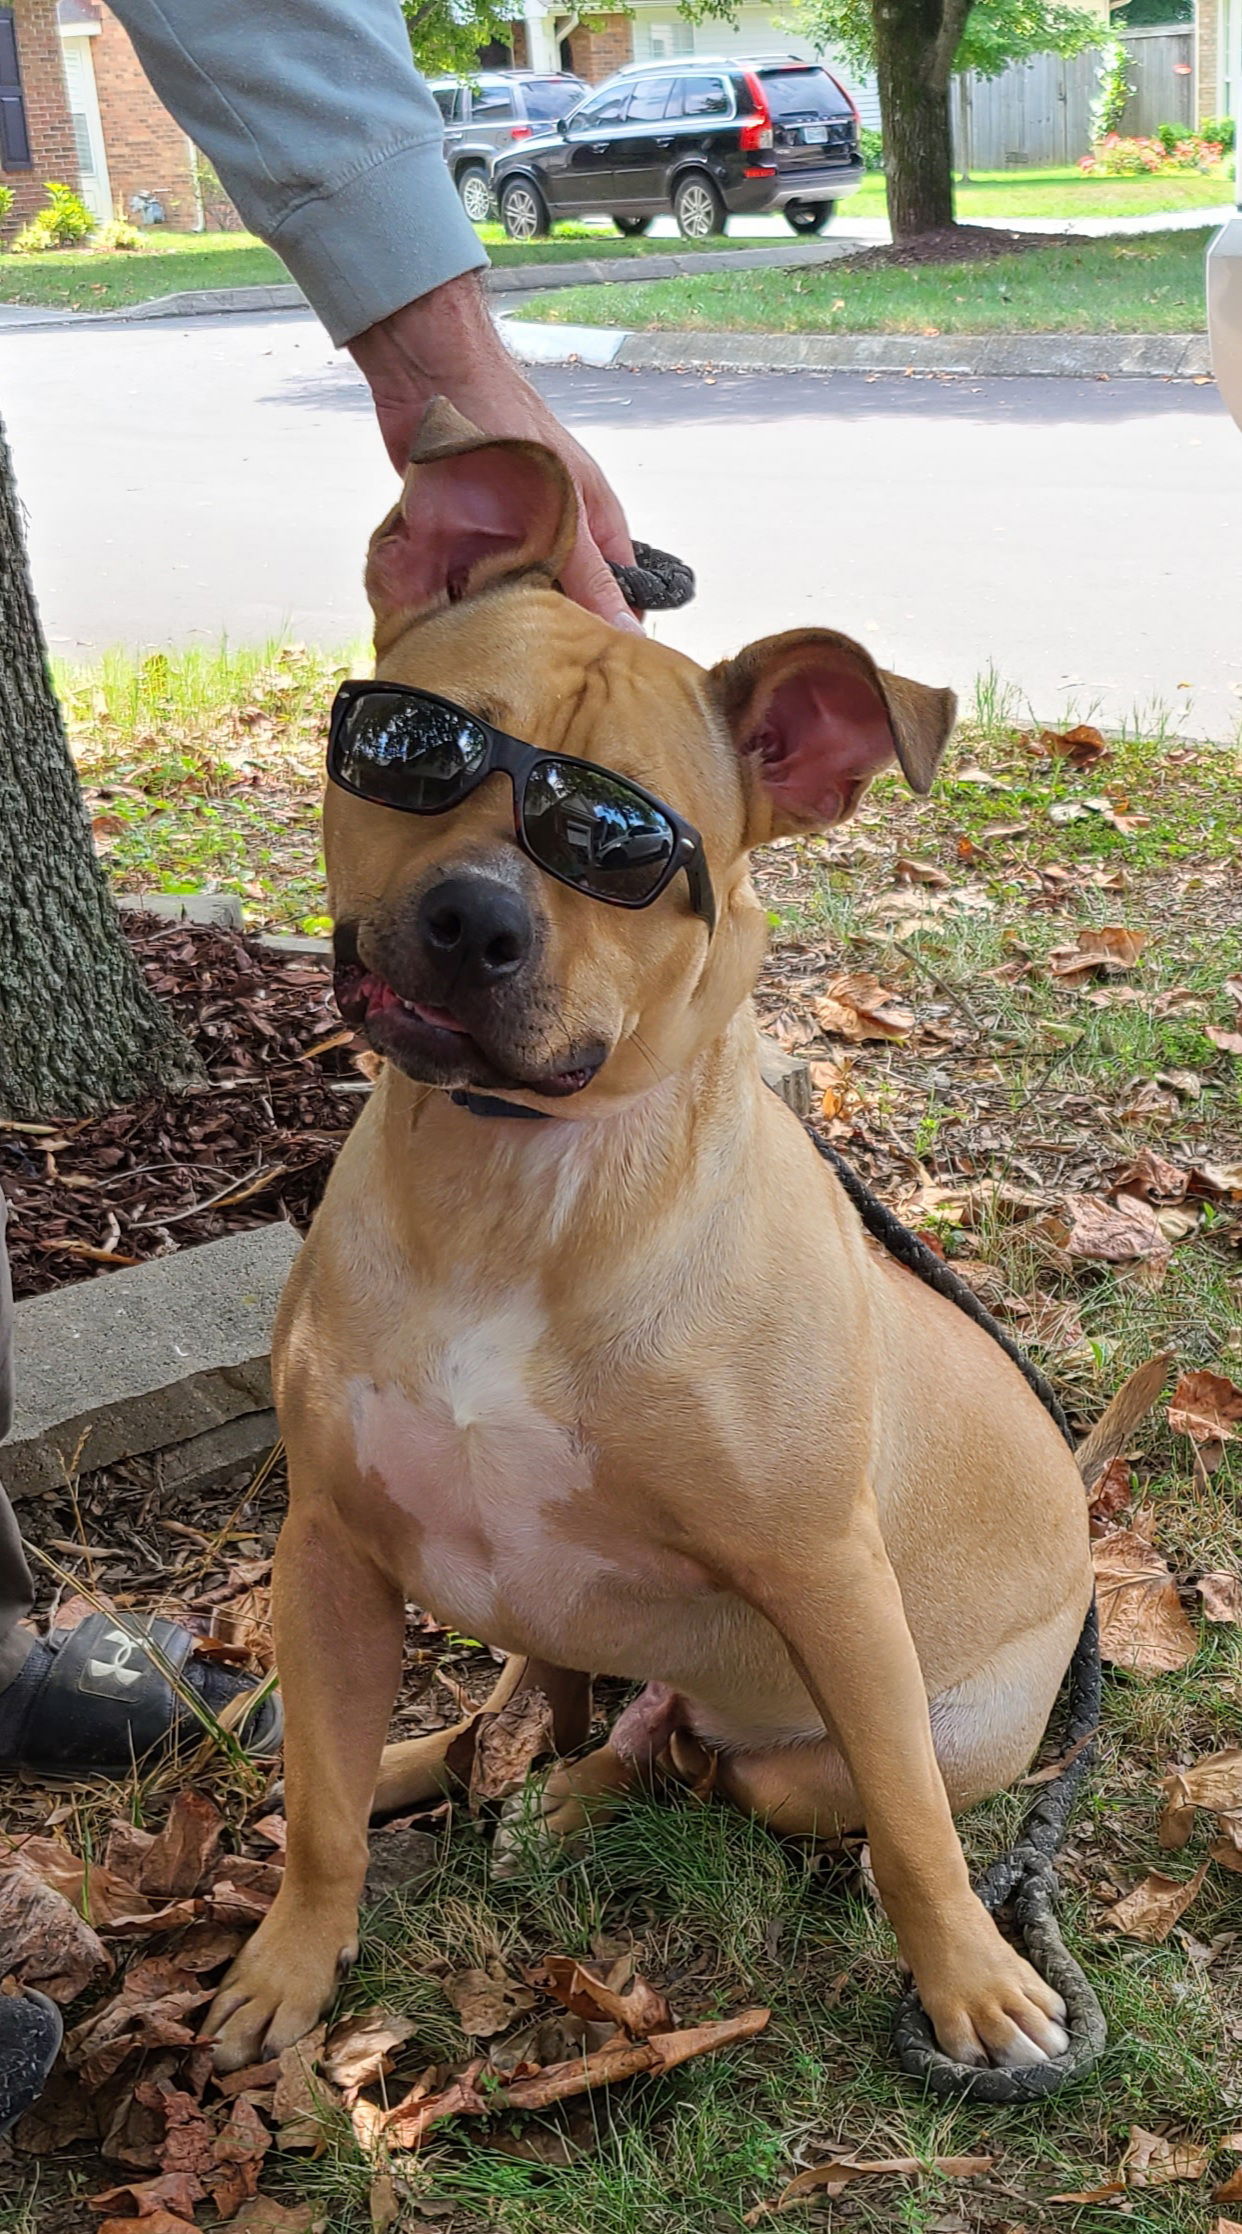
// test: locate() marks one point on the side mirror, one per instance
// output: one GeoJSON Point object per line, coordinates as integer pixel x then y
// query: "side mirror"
{"type": "Point", "coordinates": [562, 126]}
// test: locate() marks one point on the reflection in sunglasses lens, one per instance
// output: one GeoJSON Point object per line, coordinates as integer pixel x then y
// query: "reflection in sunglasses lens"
{"type": "Point", "coordinates": [595, 831]}
{"type": "Point", "coordinates": [409, 753]}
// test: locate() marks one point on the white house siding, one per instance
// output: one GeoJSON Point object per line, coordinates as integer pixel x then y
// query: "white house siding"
{"type": "Point", "coordinates": [660, 34]}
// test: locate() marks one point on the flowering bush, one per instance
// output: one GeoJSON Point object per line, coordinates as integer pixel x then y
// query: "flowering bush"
{"type": "Point", "coordinates": [1115, 157]}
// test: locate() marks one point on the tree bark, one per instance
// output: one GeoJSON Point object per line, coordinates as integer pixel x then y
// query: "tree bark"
{"type": "Point", "coordinates": [915, 42]}
{"type": "Point", "coordinates": [79, 1031]}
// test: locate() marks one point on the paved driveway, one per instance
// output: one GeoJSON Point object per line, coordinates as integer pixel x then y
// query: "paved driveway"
{"type": "Point", "coordinates": [219, 477]}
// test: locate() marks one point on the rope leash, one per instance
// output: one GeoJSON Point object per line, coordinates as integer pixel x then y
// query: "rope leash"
{"type": "Point", "coordinates": [1023, 1880]}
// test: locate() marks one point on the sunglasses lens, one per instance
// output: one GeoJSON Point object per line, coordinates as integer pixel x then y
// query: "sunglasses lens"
{"type": "Point", "coordinates": [408, 752]}
{"type": "Point", "coordinates": [593, 830]}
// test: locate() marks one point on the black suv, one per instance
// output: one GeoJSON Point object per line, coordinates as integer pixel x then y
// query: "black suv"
{"type": "Point", "coordinates": [706, 139]}
{"type": "Point", "coordinates": [486, 115]}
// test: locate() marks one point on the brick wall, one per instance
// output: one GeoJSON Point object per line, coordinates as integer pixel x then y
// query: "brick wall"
{"type": "Point", "coordinates": [1208, 73]}
{"type": "Point", "coordinates": [53, 154]}
{"type": "Point", "coordinates": [148, 153]}
{"type": "Point", "coordinates": [596, 54]}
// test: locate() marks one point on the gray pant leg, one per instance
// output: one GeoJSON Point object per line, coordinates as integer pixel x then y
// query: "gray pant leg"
{"type": "Point", "coordinates": [16, 1588]}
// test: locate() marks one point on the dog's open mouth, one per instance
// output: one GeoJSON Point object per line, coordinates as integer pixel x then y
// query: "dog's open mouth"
{"type": "Point", "coordinates": [433, 1044]}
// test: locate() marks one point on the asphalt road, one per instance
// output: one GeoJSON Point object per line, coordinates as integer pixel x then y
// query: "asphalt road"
{"type": "Point", "coordinates": [1082, 540]}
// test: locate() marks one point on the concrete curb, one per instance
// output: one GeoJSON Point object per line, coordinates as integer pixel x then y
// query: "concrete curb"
{"type": "Point", "coordinates": [981, 356]}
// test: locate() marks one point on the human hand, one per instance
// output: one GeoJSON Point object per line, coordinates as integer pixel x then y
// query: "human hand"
{"type": "Point", "coordinates": [446, 345]}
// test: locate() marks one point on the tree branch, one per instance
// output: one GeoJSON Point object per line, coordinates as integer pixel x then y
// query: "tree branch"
{"type": "Point", "coordinates": [948, 40]}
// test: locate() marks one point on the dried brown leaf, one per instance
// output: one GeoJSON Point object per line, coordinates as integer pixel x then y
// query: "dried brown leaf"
{"type": "Point", "coordinates": [856, 1006]}
{"type": "Point", "coordinates": [1152, 2160]}
{"type": "Point", "coordinates": [832, 2178]}
{"type": "Point", "coordinates": [184, 1848]}
{"type": "Point", "coordinates": [359, 2049]}
{"type": "Point", "coordinates": [1095, 953]}
{"type": "Point", "coordinates": [1151, 1910]}
{"type": "Point", "coordinates": [486, 2004]}
{"type": "Point", "coordinates": [640, 2011]}
{"type": "Point", "coordinates": [507, 1745]}
{"type": "Point", "coordinates": [141, 2199]}
{"type": "Point", "coordinates": [1220, 1595]}
{"type": "Point", "coordinates": [1142, 1622]}
{"type": "Point", "coordinates": [1152, 1178]}
{"type": "Point", "coordinates": [159, 2222]}
{"type": "Point", "coordinates": [1205, 1406]}
{"type": "Point", "coordinates": [297, 2106]}
{"type": "Point", "coordinates": [1082, 746]}
{"type": "Point", "coordinates": [264, 2215]}
{"type": "Point", "coordinates": [44, 1941]}
{"type": "Point", "coordinates": [1230, 2190]}
{"type": "Point", "coordinates": [1103, 1232]}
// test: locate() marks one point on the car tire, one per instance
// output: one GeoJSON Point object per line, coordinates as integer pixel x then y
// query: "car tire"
{"type": "Point", "coordinates": [476, 194]}
{"type": "Point", "coordinates": [698, 207]}
{"type": "Point", "coordinates": [523, 210]}
{"type": "Point", "coordinates": [808, 217]}
{"type": "Point", "coordinates": [633, 228]}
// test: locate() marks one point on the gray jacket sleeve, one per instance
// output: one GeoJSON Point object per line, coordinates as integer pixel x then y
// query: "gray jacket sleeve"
{"type": "Point", "coordinates": [324, 134]}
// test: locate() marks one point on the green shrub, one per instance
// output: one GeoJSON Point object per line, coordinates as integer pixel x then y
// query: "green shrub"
{"type": "Point", "coordinates": [65, 223]}
{"type": "Point", "coordinates": [1224, 129]}
{"type": "Point", "coordinates": [7, 199]}
{"type": "Point", "coordinates": [118, 233]}
{"type": "Point", "coordinates": [871, 148]}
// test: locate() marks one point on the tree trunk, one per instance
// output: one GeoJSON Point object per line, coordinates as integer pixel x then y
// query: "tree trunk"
{"type": "Point", "coordinates": [911, 37]}
{"type": "Point", "coordinates": [79, 1031]}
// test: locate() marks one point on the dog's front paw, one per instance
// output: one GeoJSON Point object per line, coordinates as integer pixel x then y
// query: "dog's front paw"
{"type": "Point", "coordinates": [987, 2005]}
{"type": "Point", "coordinates": [281, 1982]}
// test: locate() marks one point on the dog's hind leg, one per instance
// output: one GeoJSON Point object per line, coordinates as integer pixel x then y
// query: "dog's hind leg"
{"type": "Point", "coordinates": [418, 1769]}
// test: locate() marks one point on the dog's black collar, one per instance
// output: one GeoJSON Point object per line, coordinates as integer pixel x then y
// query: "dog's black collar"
{"type": "Point", "coordinates": [490, 1105]}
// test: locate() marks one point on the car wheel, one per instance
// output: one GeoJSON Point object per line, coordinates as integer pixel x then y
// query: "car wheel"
{"type": "Point", "coordinates": [476, 193]}
{"type": "Point", "coordinates": [808, 217]}
{"type": "Point", "coordinates": [698, 208]}
{"type": "Point", "coordinates": [523, 211]}
{"type": "Point", "coordinates": [632, 227]}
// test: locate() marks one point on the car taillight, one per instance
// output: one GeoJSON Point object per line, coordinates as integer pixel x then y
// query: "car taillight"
{"type": "Point", "coordinates": [758, 132]}
{"type": "Point", "coordinates": [522, 132]}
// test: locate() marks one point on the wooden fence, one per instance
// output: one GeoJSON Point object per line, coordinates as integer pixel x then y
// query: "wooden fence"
{"type": "Point", "coordinates": [1038, 113]}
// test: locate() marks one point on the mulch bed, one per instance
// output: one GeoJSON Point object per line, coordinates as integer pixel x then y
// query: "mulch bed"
{"type": "Point", "coordinates": [256, 1142]}
{"type": "Point", "coordinates": [956, 244]}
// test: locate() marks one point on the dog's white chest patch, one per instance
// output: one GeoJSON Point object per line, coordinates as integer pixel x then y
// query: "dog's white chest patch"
{"type": "Point", "coordinates": [480, 1470]}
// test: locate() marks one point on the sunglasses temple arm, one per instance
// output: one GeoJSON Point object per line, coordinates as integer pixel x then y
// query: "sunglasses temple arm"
{"type": "Point", "coordinates": [702, 898]}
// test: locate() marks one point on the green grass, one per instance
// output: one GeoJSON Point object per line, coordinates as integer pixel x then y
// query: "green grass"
{"type": "Point", "coordinates": [81, 279]}
{"type": "Point", "coordinates": [216, 759]}
{"type": "Point", "coordinates": [169, 262]}
{"type": "Point", "coordinates": [1150, 283]}
{"type": "Point", "coordinates": [1063, 192]}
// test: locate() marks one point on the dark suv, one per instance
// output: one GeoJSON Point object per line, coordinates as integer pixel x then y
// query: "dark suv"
{"type": "Point", "coordinates": [485, 116]}
{"type": "Point", "coordinates": [706, 139]}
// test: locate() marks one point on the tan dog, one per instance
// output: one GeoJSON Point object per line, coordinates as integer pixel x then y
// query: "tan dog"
{"type": "Point", "coordinates": [628, 1390]}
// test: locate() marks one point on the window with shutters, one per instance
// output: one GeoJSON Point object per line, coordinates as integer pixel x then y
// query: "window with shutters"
{"type": "Point", "coordinates": [14, 137]}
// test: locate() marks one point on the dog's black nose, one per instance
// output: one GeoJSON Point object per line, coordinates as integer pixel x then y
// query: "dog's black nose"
{"type": "Point", "coordinates": [474, 930]}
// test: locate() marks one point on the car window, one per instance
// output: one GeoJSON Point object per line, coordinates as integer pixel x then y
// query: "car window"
{"type": "Point", "coordinates": [802, 93]}
{"type": "Point", "coordinates": [649, 100]}
{"type": "Point", "coordinates": [550, 96]}
{"type": "Point", "coordinates": [704, 97]}
{"type": "Point", "coordinates": [447, 98]}
{"type": "Point", "coordinates": [606, 107]}
{"type": "Point", "coordinates": [491, 104]}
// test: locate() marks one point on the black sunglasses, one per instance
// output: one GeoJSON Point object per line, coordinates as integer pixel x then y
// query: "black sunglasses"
{"type": "Point", "coordinates": [598, 832]}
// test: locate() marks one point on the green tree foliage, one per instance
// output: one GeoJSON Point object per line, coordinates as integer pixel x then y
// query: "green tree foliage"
{"type": "Point", "coordinates": [994, 33]}
{"type": "Point", "coordinates": [446, 34]}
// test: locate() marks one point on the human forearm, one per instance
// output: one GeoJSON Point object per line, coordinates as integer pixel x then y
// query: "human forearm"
{"type": "Point", "coordinates": [326, 137]}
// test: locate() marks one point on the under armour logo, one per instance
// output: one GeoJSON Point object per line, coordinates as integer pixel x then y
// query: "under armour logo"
{"type": "Point", "coordinates": [125, 1667]}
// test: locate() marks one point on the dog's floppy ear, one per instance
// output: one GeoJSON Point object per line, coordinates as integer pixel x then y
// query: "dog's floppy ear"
{"type": "Point", "coordinates": [474, 508]}
{"type": "Point", "coordinates": [814, 719]}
